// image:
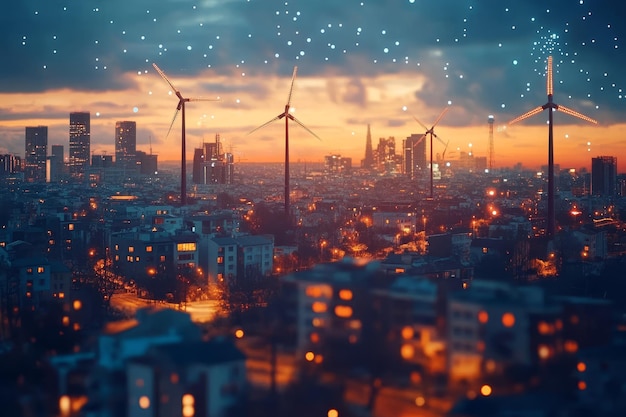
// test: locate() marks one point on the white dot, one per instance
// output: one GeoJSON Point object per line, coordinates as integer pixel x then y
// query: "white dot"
{"type": "Point", "coordinates": [135, 109]}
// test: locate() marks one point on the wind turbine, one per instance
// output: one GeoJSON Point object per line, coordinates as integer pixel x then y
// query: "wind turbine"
{"type": "Point", "coordinates": [287, 116]}
{"type": "Point", "coordinates": [551, 106]}
{"type": "Point", "coordinates": [432, 133]}
{"type": "Point", "coordinates": [180, 107]}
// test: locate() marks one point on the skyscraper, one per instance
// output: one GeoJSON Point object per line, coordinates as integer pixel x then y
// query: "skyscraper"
{"type": "Point", "coordinates": [56, 166]}
{"type": "Point", "coordinates": [126, 146]}
{"type": "Point", "coordinates": [604, 176]}
{"type": "Point", "coordinates": [211, 165]}
{"type": "Point", "coordinates": [80, 143]}
{"type": "Point", "coordinates": [414, 154]}
{"type": "Point", "coordinates": [368, 161]}
{"type": "Point", "coordinates": [36, 152]}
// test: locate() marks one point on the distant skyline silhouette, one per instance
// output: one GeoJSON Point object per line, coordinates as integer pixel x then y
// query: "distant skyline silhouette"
{"type": "Point", "coordinates": [360, 64]}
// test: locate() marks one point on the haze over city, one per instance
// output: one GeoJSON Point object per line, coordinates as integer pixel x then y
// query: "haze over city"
{"type": "Point", "coordinates": [359, 63]}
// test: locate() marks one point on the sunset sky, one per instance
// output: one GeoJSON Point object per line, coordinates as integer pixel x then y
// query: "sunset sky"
{"type": "Point", "coordinates": [359, 62]}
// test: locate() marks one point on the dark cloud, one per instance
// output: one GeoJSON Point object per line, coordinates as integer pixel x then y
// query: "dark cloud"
{"type": "Point", "coordinates": [490, 52]}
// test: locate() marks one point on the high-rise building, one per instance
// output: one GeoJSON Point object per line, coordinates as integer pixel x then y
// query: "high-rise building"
{"type": "Point", "coordinates": [147, 163]}
{"type": "Point", "coordinates": [368, 162]}
{"type": "Point", "coordinates": [36, 152]}
{"type": "Point", "coordinates": [604, 176]}
{"type": "Point", "coordinates": [9, 164]}
{"type": "Point", "coordinates": [211, 165]}
{"type": "Point", "coordinates": [414, 154]}
{"type": "Point", "coordinates": [56, 165]}
{"type": "Point", "coordinates": [126, 146]}
{"type": "Point", "coordinates": [80, 144]}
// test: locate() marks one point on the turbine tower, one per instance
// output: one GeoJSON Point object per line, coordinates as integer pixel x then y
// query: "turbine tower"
{"type": "Point", "coordinates": [432, 133]}
{"type": "Point", "coordinates": [551, 106]}
{"type": "Point", "coordinates": [490, 120]}
{"type": "Point", "coordinates": [287, 116]}
{"type": "Point", "coordinates": [180, 107]}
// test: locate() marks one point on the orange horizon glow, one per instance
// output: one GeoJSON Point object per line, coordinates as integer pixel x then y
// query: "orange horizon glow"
{"type": "Point", "coordinates": [337, 108]}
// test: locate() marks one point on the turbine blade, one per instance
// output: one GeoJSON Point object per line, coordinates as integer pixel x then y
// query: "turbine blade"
{"type": "Point", "coordinates": [549, 87]}
{"type": "Point", "coordinates": [203, 99]}
{"type": "Point", "coordinates": [172, 123]}
{"type": "Point", "coordinates": [440, 140]}
{"type": "Point", "coordinates": [419, 140]}
{"type": "Point", "coordinates": [443, 155]}
{"type": "Point", "coordinates": [576, 114]}
{"type": "Point", "coordinates": [293, 80]}
{"type": "Point", "coordinates": [162, 74]}
{"type": "Point", "coordinates": [280, 116]}
{"type": "Point", "coordinates": [291, 117]}
{"type": "Point", "coordinates": [420, 123]}
{"type": "Point", "coordinates": [526, 115]}
{"type": "Point", "coordinates": [440, 117]}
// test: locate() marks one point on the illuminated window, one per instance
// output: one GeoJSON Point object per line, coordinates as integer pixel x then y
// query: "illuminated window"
{"type": "Point", "coordinates": [188, 405]}
{"type": "Point", "coordinates": [162, 258]}
{"type": "Point", "coordinates": [117, 257]}
{"type": "Point", "coordinates": [144, 402]}
{"type": "Point", "coordinates": [345, 295]}
{"type": "Point", "coordinates": [317, 322]}
{"type": "Point", "coordinates": [317, 291]}
{"type": "Point", "coordinates": [544, 352]}
{"type": "Point", "coordinates": [186, 247]}
{"type": "Point", "coordinates": [399, 270]}
{"type": "Point", "coordinates": [220, 260]}
{"type": "Point", "coordinates": [343, 311]}
{"type": "Point", "coordinates": [483, 317]}
{"type": "Point", "coordinates": [29, 271]}
{"type": "Point", "coordinates": [485, 250]}
{"type": "Point", "coordinates": [131, 249]}
{"type": "Point", "coordinates": [508, 320]}
{"type": "Point", "coordinates": [570, 346]}
{"type": "Point", "coordinates": [407, 351]}
{"type": "Point", "coordinates": [117, 247]}
{"type": "Point", "coordinates": [581, 367]}
{"type": "Point", "coordinates": [77, 305]}
{"type": "Point", "coordinates": [407, 332]}
{"type": "Point", "coordinates": [319, 307]}
{"type": "Point", "coordinates": [545, 328]}
{"type": "Point", "coordinates": [355, 324]}
{"type": "Point", "coordinates": [148, 248]}
{"type": "Point", "coordinates": [40, 270]}
{"type": "Point", "coordinates": [315, 338]}
{"type": "Point", "coordinates": [70, 226]}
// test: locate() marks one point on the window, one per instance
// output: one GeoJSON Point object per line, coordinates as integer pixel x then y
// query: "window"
{"type": "Point", "coordinates": [131, 249]}
{"type": "Point", "coordinates": [40, 270]}
{"type": "Point", "coordinates": [231, 258]}
{"type": "Point", "coordinates": [29, 271]}
{"type": "Point", "coordinates": [220, 260]}
{"type": "Point", "coordinates": [70, 226]}
{"type": "Point", "coordinates": [485, 250]}
{"type": "Point", "coordinates": [186, 247]}
{"type": "Point", "coordinates": [162, 258]}
{"type": "Point", "coordinates": [148, 248]}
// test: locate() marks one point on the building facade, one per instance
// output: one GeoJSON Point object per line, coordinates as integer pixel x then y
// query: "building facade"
{"type": "Point", "coordinates": [604, 176]}
{"type": "Point", "coordinates": [126, 146]}
{"type": "Point", "coordinates": [80, 144]}
{"type": "Point", "coordinates": [36, 153]}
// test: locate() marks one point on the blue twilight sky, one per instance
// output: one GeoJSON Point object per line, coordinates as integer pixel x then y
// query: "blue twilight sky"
{"type": "Point", "coordinates": [480, 57]}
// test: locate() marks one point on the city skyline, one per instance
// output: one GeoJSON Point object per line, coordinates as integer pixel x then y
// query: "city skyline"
{"type": "Point", "coordinates": [359, 63]}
